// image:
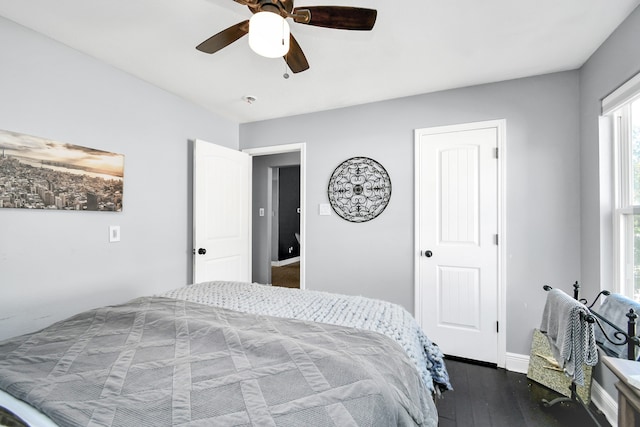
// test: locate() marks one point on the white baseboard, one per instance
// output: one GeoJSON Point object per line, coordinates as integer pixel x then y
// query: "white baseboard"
{"type": "Point", "coordinates": [517, 363]}
{"type": "Point", "coordinates": [285, 261]}
{"type": "Point", "coordinates": [607, 404]}
{"type": "Point", "coordinates": [604, 402]}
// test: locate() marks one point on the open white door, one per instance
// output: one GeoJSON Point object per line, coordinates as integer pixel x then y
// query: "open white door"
{"type": "Point", "coordinates": [221, 209]}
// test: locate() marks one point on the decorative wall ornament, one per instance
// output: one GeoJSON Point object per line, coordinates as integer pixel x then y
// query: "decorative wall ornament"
{"type": "Point", "coordinates": [38, 173]}
{"type": "Point", "coordinates": [359, 189]}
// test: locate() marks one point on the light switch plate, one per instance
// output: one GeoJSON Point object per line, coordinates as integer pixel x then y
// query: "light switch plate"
{"type": "Point", "coordinates": [325, 209]}
{"type": "Point", "coordinates": [114, 233]}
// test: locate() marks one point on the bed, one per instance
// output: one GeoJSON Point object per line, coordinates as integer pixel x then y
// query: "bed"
{"type": "Point", "coordinates": [228, 354]}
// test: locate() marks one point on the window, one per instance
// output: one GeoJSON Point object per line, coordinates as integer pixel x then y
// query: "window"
{"type": "Point", "coordinates": [626, 120]}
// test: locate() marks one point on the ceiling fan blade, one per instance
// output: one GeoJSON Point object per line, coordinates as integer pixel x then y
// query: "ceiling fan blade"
{"type": "Point", "coordinates": [339, 17]}
{"type": "Point", "coordinates": [295, 58]}
{"type": "Point", "coordinates": [224, 38]}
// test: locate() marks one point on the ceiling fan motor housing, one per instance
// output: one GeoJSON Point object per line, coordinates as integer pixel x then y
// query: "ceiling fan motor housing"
{"type": "Point", "coordinates": [282, 8]}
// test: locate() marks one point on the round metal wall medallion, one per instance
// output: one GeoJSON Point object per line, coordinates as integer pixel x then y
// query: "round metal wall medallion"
{"type": "Point", "coordinates": [359, 189]}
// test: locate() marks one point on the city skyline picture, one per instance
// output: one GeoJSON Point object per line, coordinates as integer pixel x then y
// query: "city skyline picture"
{"type": "Point", "coordinates": [39, 173]}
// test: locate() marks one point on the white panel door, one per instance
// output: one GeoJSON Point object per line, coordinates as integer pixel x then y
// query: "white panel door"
{"type": "Point", "coordinates": [221, 206]}
{"type": "Point", "coordinates": [457, 214]}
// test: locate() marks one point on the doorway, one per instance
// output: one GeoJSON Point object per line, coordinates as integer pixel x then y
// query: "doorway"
{"type": "Point", "coordinates": [285, 226]}
{"type": "Point", "coordinates": [278, 190]}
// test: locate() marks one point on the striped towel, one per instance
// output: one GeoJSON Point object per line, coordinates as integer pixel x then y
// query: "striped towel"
{"type": "Point", "coordinates": [572, 339]}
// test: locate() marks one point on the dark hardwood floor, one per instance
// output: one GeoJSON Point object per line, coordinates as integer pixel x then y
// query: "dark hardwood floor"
{"type": "Point", "coordinates": [287, 276]}
{"type": "Point", "coordinates": [489, 397]}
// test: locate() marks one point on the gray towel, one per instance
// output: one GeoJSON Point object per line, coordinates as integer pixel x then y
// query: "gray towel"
{"type": "Point", "coordinates": [571, 338]}
{"type": "Point", "coordinates": [615, 308]}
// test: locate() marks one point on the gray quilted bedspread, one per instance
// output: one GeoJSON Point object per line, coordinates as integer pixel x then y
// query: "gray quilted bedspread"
{"type": "Point", "coordinates": [160, 361]}
{"type": "Point", "coordinates": [343, 310]}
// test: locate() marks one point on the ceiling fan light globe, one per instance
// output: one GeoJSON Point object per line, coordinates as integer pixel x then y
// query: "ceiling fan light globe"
{"type": "Point", "coordinates": [269, 34]}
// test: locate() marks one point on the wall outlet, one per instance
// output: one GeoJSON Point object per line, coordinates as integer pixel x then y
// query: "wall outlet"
{"type": "Point", "coordinates": [114, 233]}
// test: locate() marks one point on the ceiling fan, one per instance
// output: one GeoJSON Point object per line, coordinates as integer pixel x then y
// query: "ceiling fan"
{"type": "Point", "coordinates": [338, 17]}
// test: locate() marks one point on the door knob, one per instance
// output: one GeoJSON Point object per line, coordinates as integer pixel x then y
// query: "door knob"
{"type": "Point", "coordinates": [202, 251]}
{"type": "Point", "coordinates": [428, 254]}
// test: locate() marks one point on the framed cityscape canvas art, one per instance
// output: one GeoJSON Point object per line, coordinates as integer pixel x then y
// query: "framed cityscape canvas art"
{"type": "Point", "coordinates": [38, 173]}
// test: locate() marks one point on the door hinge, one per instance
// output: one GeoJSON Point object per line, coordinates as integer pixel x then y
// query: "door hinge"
{"type": "Point", "coordinates": [496, 239]}
{"type": "Point", "coordinates": [496, 152]}
{"type": "Point", "coordinates": [497, 327]}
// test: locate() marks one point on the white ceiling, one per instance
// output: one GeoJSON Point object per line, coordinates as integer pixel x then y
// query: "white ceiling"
{"type": "Point", "coordinates": [416, 46]}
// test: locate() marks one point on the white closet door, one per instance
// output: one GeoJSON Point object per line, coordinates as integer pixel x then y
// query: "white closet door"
{"type": "Point", "coordinates": [457, 180]}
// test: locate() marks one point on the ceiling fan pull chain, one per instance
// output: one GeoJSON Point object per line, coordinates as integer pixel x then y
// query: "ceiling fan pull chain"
{"type": "Point", "coordinates": [286, 73]}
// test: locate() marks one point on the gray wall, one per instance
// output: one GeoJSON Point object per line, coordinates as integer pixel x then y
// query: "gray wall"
{"type": "Point", "coordinates": [261, 262]}
{"type": "Point", "coordinates": [376, 258]}
{"type": "Point", "coordinates": [617, 60]}
{"type": "Point", "coordinates": [610, 66]}
{"type": "Point", "coordinates": [54, 264]}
